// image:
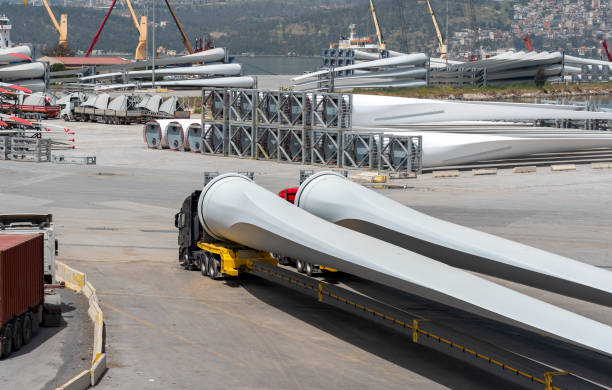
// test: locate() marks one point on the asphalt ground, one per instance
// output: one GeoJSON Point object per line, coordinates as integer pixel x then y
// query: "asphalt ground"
{"type": "Point", "coordinates": [55, 355]}
{"type": "Point", "coordinates": [170, 328]}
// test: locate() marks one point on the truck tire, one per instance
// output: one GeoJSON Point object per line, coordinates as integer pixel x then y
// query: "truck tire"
{"type": "Point", "coordinates": [186, 261]}
{"type": "Point", "coordinates": [204, 267]}
{"type": "Point", "coordinates": [299, 265]}
{"type": "Point", "coordinates": [17, 334]}
{"type": "Point", "coordinates": [308, 269]}
{"type": "Point", "coordinates": [27, 328]}
{"type": "Point", "coordinates": [213, 267]}
{"type": "Point", "coordinates": [7, 341]}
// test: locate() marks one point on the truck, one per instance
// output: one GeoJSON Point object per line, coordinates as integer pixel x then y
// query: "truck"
{"type": "Point", "coordinates": [35, 223]}
{"type": "Point", "coordinates": [198, 251]}
{"type": "Point", "coordinates": [21, 289]}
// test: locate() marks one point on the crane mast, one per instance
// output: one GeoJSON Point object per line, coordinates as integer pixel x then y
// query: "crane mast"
{"type": "Point", "coordinates": [382, 45]}
{"type": "Point", "coordinates": [61, 27]}
{"type": "Point", "coordinates": [141, 53]}
{"type": "Point", "coordinates": [184, 37]}
{"type": "Point", "coordinates": [441, 42]}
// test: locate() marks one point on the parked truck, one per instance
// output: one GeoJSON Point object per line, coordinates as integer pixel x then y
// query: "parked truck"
{"type": "Point", "coordinates": [35, 223]}
{"type": "Point", "coordinates": [200, 252]}
{"type": "Point", "coordinates": [21, 289]}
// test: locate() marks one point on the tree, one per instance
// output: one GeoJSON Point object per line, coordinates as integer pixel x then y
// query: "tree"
{"type": "Point", "coordinates": [540, 77]}
{"type": "Point", "coordinates": [57, 67]}
{"type": "Point", "coordinates": [59, 51]}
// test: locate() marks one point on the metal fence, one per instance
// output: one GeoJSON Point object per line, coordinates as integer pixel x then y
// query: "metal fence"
{"type": "Point", "coordinates": [299, 127]}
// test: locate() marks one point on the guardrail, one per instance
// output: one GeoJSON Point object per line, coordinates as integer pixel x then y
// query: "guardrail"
{"type": "Point", "coordinates": [77, 281]}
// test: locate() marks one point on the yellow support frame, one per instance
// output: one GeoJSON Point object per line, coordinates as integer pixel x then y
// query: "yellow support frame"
{"type": "Point", "coordinates": [236, 258]}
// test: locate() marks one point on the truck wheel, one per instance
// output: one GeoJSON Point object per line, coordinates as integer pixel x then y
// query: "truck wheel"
{"type": "Point", "coordinates": [213, 267]}
{"type": "Point", "coordinates": [204, 267]}
{"type": "Point", "coordinates": [27, 328]}
{"type": "Point", "coordinates": [308, 269]}
{"type": "Point", "coordinates": [7, 341]}
{"type": "Point", "coordinates": [18, 334]}
{"type": "Point", "coordinates": [299, 265]}
{"type": "Point", "coordinates": [186, 261]}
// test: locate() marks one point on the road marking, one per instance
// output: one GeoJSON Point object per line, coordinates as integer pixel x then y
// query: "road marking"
{"type": "Point", "coordinates": [172, 334]}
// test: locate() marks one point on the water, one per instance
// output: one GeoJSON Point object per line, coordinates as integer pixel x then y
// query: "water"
{"type": "Point", "coordinates": [277, 65]}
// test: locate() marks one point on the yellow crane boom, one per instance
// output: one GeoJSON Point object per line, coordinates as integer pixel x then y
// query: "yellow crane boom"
{"type": "Point", "coordinates": [61, 27]}
{"type": "Point", "coordinates": [141, 50]}
{"type": "Point", "coordinates": [382, 45]}
{"type": "Point", "coordinates": [441, 42]}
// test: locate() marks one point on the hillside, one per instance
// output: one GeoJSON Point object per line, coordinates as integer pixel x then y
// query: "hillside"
{"type": "Point", "coordinates": [256, 26]}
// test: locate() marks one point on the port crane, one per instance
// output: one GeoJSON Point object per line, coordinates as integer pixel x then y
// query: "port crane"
{"type": "Point", "coordinates": [528, 44]}
{"type": "Point", "coordinates": [178, 24]}
{"type": "Point", "coordinates": [141, 50]}
{"type": "Point", "coordinates": [605, 46]}
{"type": "Point", "coordinates": [61, 27]}
{"type": "Point", "coordinates": [382, 45]}
{"type": "Point", "coordinates": [441, 41]}
{"type": "Point", "coordinates": [140, 27]}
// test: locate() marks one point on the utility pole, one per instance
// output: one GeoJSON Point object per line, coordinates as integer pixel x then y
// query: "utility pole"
{"type": "Point", "coordinates": [153, 44]}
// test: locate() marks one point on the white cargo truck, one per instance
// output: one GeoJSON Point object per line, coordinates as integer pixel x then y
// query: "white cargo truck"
{"type": "Point", "coordinates": [34, 223]}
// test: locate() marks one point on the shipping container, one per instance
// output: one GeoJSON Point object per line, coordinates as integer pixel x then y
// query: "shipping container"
{"type": "Point", "coordinates": [21, 288]}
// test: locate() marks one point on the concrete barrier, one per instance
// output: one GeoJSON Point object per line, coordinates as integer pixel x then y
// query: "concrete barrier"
{"type": "Point", "coordinates": [484, 171]}
{"type": "Point", "coordinates": [451, 173]}
{"type": "Point", "coordinates": [601, 165]}
{"type": "Point", "coordinates": [526, 169]}
{"type": "Point", "coordinates": [74, 279]}
{"type": "Point", "coordinates": [79, 382]}
{"type": "Point", "coordinates": [77, 281]}
{"type": "Point", "coordinates": [97, 369]}
{"type": "Point", "coordinates": [563, 167]}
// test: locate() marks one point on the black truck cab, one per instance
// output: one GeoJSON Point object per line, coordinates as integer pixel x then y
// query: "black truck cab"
{"type": "Point", "coordinates": [190, 230]}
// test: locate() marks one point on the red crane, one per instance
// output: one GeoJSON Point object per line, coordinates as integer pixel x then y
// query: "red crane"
{"type": "Point", "coordinates": [528, 43]}
{"type": "Point", "coordinates": [605, 45]}
{"type": "Point", "coordinates": [95, 39]}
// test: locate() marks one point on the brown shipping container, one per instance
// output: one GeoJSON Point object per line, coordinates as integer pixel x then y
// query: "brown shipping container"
{"type": "Point", "coordinates": [21, 274]}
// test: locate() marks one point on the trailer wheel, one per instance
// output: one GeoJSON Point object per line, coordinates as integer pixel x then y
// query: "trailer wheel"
{"type": "Point", "coordinates": [213, 267]}
{"type": "Point", "coordinates": [27, 328]}
{"type": "Point", "coordinates": [18, 334]}
{"type": "Point", "coordinates": [308, 269]}
{"type": "Point", "coordinates": [204, 267]}
{"type": "Point", "coordinates": [299, 265]}
{"type": "Point", "coordinates": [7, 340]}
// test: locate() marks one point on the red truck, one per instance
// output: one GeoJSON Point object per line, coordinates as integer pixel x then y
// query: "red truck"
{"type": "Point", "coordinates": [21, 289]}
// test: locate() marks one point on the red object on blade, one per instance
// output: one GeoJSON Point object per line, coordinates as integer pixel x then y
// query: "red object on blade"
{"type": "Point", "coordinates": [20, 88]}
{"type": "Point", "coordinates": [3, 124]}
{"type": "Point", "coordinates": [73, 147]}
{"type": "Point", "coordinates": [72, 133]}
{"type": "Point", "coordinates": [3, 90]}
{"type": "Point", "coordinates": [289, 194]}
{"type": "Point", "coordinates": [605, 45]}
{"type": "Point", "coordinates": [24, 57]}
{"type": "Point", "coordinates": [71, 139]}
{"type": "Point", "coordinates": [95, 38]}
{"type": "Point", "coordinates": [66, 129]}
{"type": "Point", "coordinates": [47, 129]}
{"type": "Point", "coordinates": [21, 120]}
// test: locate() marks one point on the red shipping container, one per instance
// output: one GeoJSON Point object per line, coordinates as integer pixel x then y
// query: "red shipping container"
{"type": "Point", "coordinates": [21, 274]}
